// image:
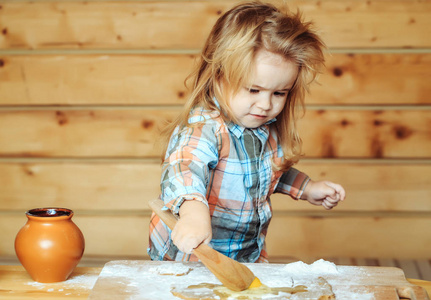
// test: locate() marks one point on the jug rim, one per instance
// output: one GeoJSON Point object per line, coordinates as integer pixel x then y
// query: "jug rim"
{"type": "Point", "coordinates": [49, 212]}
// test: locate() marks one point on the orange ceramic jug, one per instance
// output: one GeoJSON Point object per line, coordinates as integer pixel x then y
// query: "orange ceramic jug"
{"type": "Point", "coordinates": [49, 245]}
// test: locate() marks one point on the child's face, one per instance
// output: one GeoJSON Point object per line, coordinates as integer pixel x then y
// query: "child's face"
{"type": "Point", "coordinates": [264, 97]}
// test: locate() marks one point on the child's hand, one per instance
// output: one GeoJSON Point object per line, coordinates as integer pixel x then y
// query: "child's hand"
{"type": "Point", "coordinates": [324, 193]}
{"type": "Point", "coordinates": [193, 227]}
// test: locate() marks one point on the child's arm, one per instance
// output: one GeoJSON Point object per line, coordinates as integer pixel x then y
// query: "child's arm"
{"type": "Point", "coordinates": [191, 154]}
{"type": "Point", "coordinates": [193, 227]}
{"type": "Point", "coordinates": [324, 193]}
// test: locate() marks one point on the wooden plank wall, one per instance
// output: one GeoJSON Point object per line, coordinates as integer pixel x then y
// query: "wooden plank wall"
{"type": "Point", "coordinates": [85, 86]}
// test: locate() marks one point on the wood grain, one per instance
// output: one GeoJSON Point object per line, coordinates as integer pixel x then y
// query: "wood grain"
{"type": "Point", "coordinates": [83, 186]}
{"type": "Point", "coordinates": [16, 283]}
{"type": "Point", "coordinates": [366, 133]}
{"type": "Point", "coordinates": [134, 133]}
{"type": "Point", "coordinates": [125, 187]}
{"type": "Point", "coordinates": [373, 79]}
{"type": "Point", "coordinates": [349, 236]}
{"type": "Point", "coordinates": [133, 24]}
{"type": "Point", "coordinates": [101, 133]}
{"type": "Point", "coordinates": [94, 79]}
{"type": "Point", "coordinates": [151, 79]}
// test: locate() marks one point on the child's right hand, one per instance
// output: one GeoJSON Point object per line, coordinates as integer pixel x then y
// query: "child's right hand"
{"type": "Point", "coordinates": [193, 226]}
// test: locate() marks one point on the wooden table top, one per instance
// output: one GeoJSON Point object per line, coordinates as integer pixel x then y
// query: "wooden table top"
{"type": "Point", "coordinates": [15, 283]}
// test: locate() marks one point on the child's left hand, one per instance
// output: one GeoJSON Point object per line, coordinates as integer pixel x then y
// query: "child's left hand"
{"type": "Point", "coordinates": [324, 193]}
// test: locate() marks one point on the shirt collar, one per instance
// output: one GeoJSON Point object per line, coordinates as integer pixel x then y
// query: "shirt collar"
{"type": "Point", "coordinates": [238, 130]}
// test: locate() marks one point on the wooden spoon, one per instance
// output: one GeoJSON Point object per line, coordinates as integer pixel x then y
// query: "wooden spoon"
{"type": "Point", "coordinates": [231, 273]}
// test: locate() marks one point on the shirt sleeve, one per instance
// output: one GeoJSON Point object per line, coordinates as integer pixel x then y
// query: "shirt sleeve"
{"type": "Point", "coordinates": [292, 183]}
{"type": "Point", "coordinates": [191, 154]}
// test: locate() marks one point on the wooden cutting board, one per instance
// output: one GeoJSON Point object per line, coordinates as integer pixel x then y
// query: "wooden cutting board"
{"type": "Point", "coordinates": [133, 279]}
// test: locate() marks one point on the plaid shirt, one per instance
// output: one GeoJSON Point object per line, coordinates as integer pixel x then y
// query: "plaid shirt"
{"type": "Point", "coordinates": [229, 168]}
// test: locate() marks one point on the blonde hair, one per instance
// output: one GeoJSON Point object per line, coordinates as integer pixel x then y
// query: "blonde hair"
{"type": "Point", "coordinates": [227, 57]}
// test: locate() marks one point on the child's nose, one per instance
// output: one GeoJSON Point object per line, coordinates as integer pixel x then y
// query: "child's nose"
{"type": "Point", "coordinates": [264, 102]}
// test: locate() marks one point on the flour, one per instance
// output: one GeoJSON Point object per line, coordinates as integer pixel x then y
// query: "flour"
{"type": "Point", "coordinates": [121, 270]}
{"type": "Point", "coordinates": [83, 282]}
{"type": "Point", "coordinates": [302, 272]}
{"type": "Point", "coordinates": [171, 269]}
{"type": "Point", "coordinates": [318, 268]}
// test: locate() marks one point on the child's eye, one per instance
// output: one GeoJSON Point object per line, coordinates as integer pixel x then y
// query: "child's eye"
{"type": "Point", "coordinates": [280, 94]}
{"type": "Point", "coordinates": [253, 91]}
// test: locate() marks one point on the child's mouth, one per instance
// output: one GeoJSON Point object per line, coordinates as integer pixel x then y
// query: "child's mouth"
{"type": "Point", "coordinates": [258, 116]}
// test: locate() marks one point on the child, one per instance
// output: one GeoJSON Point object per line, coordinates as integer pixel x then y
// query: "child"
{"type": "Point", "coordinates": [236, 140]}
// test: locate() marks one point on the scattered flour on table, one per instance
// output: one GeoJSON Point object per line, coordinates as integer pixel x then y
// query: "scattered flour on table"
{"type": "Point", "coordinates": [350, 295]}
{"type": "Point", "coordinates": [84, 282]}
{"type": "Point", "coordinates": [119, 270]}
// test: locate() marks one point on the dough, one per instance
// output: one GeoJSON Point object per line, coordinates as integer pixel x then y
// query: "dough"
{"type": "Point", "coordinates": [173, 270]}
{"type": "Point", "coordinates": [205, 291]}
